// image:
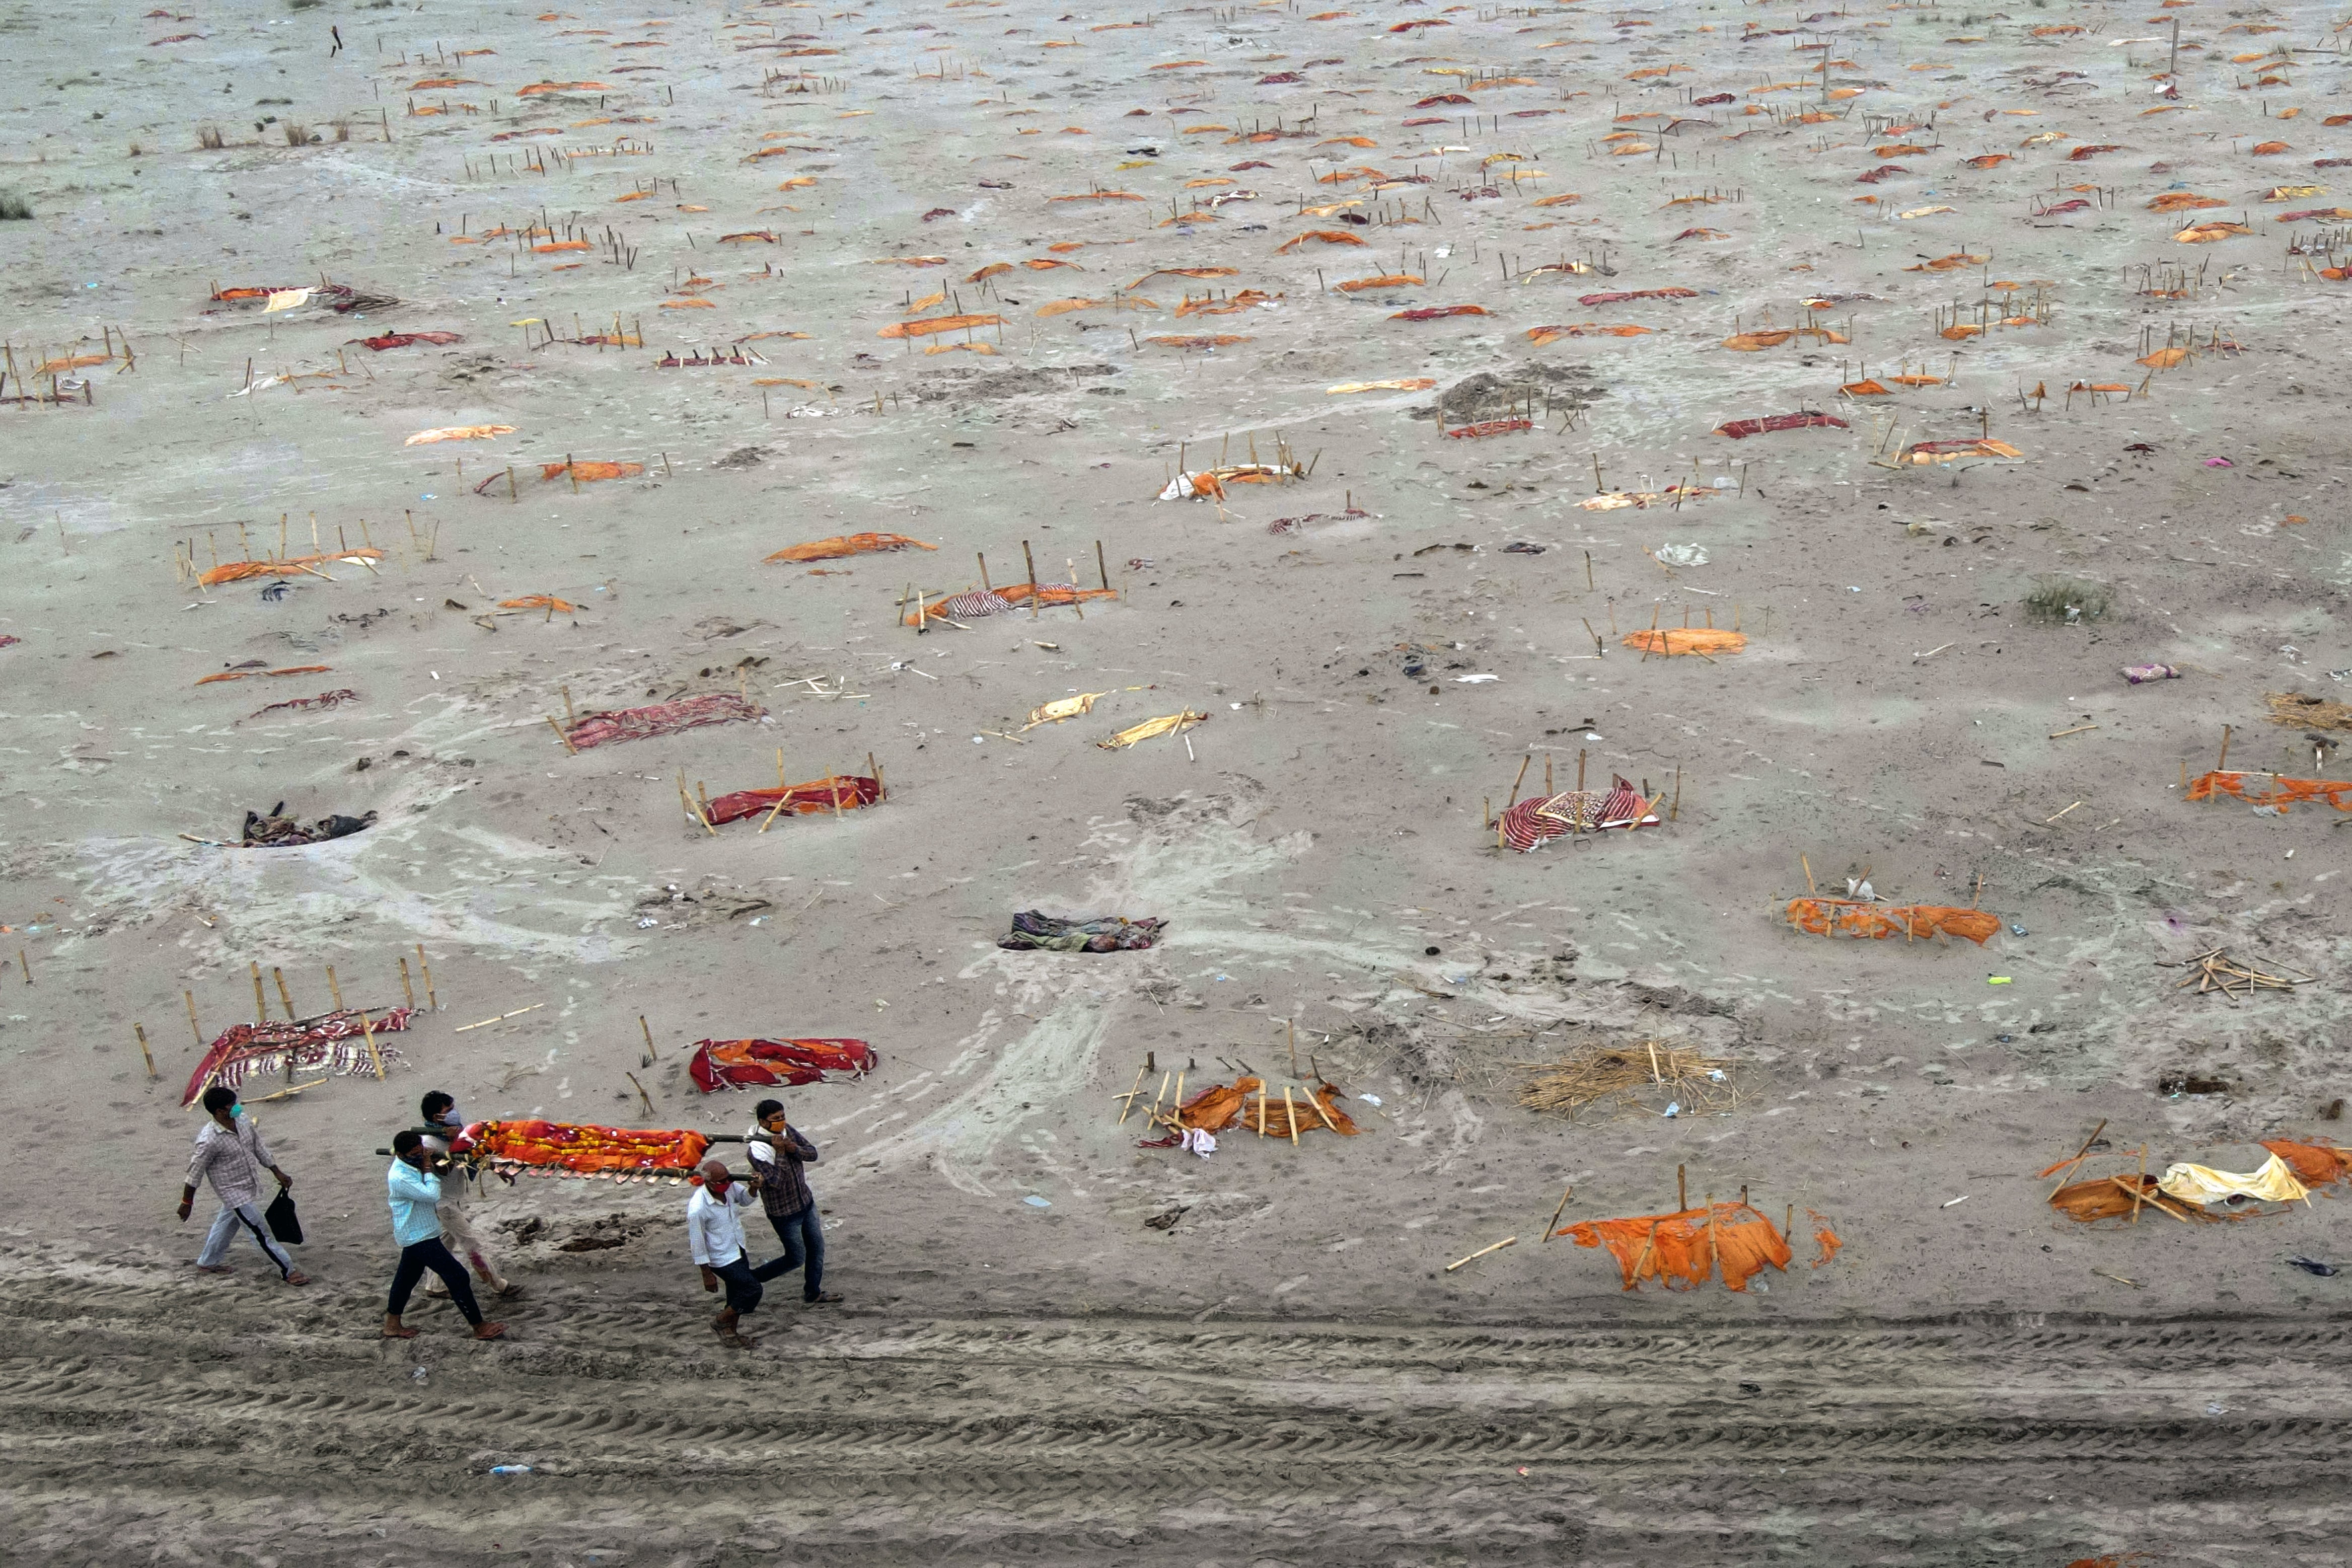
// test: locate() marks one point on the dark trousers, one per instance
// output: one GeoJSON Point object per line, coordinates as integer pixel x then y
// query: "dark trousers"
{"type": "Point", "coordinates": [742, 1281]}
{"type": "Point", "coordinates": [803, 1235]}
{"type": "Point", "coordinates": [419, 1256]}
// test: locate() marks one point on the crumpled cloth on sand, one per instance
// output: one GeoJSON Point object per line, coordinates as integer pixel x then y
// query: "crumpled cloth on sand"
{"type": "Point", "coordinates": [2275, 1183]}
{"type": "Point", "coordinates": [1033, 929]}
{"type": "Point", "coordinates": [1201, 1142]}
{"type": "Point", "coordinates": [277, 830]}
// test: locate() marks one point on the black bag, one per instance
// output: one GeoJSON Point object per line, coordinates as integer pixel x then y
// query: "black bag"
{"type": "Point", "coordinates": [284, 1223]}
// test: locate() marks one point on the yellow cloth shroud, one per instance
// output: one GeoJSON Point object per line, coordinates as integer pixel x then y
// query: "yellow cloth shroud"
{"type": "Point", "coordinates": [2275, 1183]}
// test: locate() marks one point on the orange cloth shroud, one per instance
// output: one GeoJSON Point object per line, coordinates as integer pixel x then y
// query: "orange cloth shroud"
{"type": "Point", "coordinates": [1243, 1103]}
{"type": "Point", "coordinates": [2271, 790]}
{"type": "Point", "coordinates": [1848, 917]}
{"type": "Point", "coordinates": [2315, 1164]}
{"type": "Point", "coordinates": [841, 545]}
{"type": "Point", "coordinates": [577, 1147]}
{"type": "Point", "coordinates": [1689, 1245]}
{"type": "Point", "coordinates": [1685, 640]}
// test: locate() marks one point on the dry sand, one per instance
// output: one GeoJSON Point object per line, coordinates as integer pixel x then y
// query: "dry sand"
{"type": "Point", "coordinates": [1024, 1371]}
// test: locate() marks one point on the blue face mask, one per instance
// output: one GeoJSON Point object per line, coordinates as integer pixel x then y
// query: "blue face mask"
{"type": "Point", "coordinates": [236, 1110]}
{"type": "Point", "coordinates": [449, 1118]}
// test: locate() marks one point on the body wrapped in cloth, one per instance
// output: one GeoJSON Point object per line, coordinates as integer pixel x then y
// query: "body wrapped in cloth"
{"type": "Point", "coordinates": [1033, 929]}
{"type": "Point", "coordinates": [661, 718]}
{"type": "Point", "coordinates": [1540, 818]}
{"type": "Point", "coordinates": [845, 792]}
{"type": "Point", "coordinates": [332, 1042]}
{"type": "Point", "coordinates": [580, 1148]}
{"type": "Point", "coordinates": [1246, 1102]}
{"type": "Point", "coordinates": [766, 1063]}
{"type": "Point", "coordinates": [1691, 1244]}
{"type": "Point", "coordinates": [1877, 922]}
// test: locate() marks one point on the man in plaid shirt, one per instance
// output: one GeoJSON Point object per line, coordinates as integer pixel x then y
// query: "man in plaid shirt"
{"type": "Point", "coordinates": [779, 1151]}
{"type": "Point", "coordinates": [231, 1155]}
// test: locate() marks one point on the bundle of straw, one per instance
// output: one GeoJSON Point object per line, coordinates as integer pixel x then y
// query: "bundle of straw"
{"type": "Point", "coordinates": [1650, 1068]}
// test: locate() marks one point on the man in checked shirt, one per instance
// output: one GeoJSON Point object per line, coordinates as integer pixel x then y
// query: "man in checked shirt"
{"type": "Point", "coordinates": [778, 1151]}
{"type": "Point", "coordinates": [231, 1155]}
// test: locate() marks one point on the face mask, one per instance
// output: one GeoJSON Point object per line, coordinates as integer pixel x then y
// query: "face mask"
{"type": "Point", "coordinates": [236, 1110]}
{"type": "Point", "coordinates": [449, 1118]}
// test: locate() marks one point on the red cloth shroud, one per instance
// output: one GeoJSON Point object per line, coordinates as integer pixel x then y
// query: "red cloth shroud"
{"type": "Point", "coordinates": [764, 1064]}
{"type": "Point", "coordinates": [333, 1041]}
{"type": "Point", "coordinates": [662, 718]}
{"type": "Point", "coordinates": [815, 797]}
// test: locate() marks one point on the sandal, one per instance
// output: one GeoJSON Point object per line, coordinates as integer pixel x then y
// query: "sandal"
{"type": "Point", "coordinates": [402, 1332]}
{"type": "Point", "coordinates": [296, 1277]}
{"type": "Point", "coordinates": [490, 1331]}
{"type": "Point", "coordinates": [821, 1298]}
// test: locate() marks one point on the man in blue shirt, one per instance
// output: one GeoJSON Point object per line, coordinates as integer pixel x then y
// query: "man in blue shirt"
{"type": "Point", "coordinates": [416, 1188]}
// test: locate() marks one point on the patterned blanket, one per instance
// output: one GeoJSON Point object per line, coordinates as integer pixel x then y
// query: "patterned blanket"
{"type": "Point", "coordinates": [1540, 818]}
{"type": "Point", "coordinates": [332, 1042]}
{"type": "Point", "coordinates": [763, 1063]}
{"type": "Point", "coordinates": [1103, 934]}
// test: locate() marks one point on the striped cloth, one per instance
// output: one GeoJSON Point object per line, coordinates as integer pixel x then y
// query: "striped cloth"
{"type": "Point", "coordinates": [1539, 819]}
{"type": "Point", "coordinates": [971, 605]}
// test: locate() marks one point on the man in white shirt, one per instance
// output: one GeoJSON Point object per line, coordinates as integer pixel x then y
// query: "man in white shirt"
{"type": "Point", "coordinates": [714, 1234]}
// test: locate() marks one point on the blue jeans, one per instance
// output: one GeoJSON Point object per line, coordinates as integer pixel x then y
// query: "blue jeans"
{"type": "Point", "coordinates": [803, 1235]}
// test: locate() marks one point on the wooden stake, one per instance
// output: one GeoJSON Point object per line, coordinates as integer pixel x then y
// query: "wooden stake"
{"type": "Point", "coordinates": [2224, 761]}
{"type": "Point", "coordinates": [1482, 1252]}
{"type": "Point", "coordinates": [193, 1028]}
{"type": "Point", "coordinates": [280, 976]}
{"type": "Point", "coordinates": [144, 1054]}
{"type": "Point", "coordinates": [1129, 1108]}
{"type": "Point", "coordinates": [1290, 1114]}
{"type": "Point", "coordinates": [260, 1008]}
{"type": "Point", "coordinates": [558, 728]}
{"type": "Point", "coordinates": [1808, 875]}
{"type": "Point", "coordinates": [2080, 1156]}
{"type": "Point", "coordinates": [1553, 1223]}
{"type": "Point", "coordinates": [430, 999]}
{"type": "Point", "coordinates": [367, 1033]}
{"type": "Point", "coordinates": [643, 1098]}
{"type": "Point", "coordinates": [407, 991]}
{"type": "Point", "coordinates": [1682, 1193]}
{"type": "Point", "coordinates": [333, 989]}
{"type": "Point", "coordinates": [1031, 562]}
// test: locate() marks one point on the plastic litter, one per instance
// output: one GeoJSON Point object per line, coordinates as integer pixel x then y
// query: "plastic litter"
{"type": "Point", "coordinates": [2313, 1266]}
{"type": "Point", "coordinates": [510, 1469]}
{"type": "Point", "coordinates": [1674, 1108]}
{"type": "Point", "coordinates": [1033, 1201]}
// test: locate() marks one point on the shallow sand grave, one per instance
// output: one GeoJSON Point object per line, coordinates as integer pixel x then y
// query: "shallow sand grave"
{"type": "Point", "coordinates": [689, 259]}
